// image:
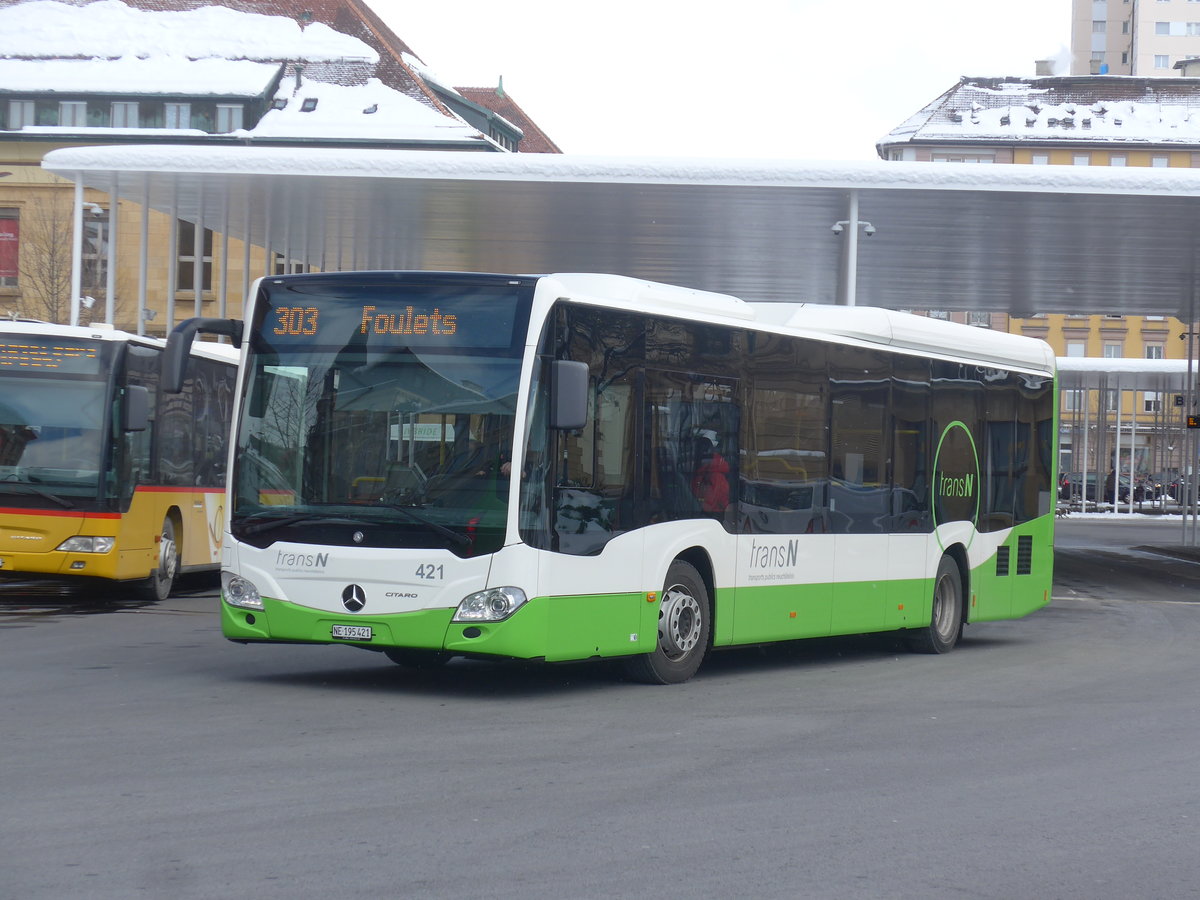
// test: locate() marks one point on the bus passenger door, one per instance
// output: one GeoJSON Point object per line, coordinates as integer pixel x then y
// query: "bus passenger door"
{"type": "Point", "coordinates": [860, 487]}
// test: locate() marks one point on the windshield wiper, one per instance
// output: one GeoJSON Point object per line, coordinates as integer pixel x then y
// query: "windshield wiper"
{"type": "Point", "coordinates": [268, 524]}
{"type": "Point", "coordinates": [460, 540]}
{"type": "Point", "coordinates": [11, 487]}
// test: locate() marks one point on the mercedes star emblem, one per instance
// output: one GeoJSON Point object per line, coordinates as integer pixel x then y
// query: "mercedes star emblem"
{"type": "Point", "coordinates": [354, 597]}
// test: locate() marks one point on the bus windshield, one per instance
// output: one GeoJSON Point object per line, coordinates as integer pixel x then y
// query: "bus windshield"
{"type": "Point", "coordinates": [380, 414]}
{"type": "Point", "coordinates": [52, 420]}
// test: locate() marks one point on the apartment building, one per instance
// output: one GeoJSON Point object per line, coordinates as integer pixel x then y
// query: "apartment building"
{"type": "Point", "coordinates": [1078, 121]}
{"type": "Point", "coordinates": [1133, 37]}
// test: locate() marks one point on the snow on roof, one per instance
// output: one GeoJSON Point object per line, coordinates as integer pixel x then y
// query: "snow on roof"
{"type": "Point", "coordinates": [547, 167]}
{"type": "Point", "coordinates": [161, 76]}
{"type": "Point", "coordinates": [1071, 109]}
{"type": "Point", "coordinates": [108, 29]}
{"type": "Point", "coordinates": [361, 112]}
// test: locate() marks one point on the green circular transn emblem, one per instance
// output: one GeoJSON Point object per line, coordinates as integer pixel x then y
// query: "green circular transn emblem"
{"type": "Point", "coordinates": [955, 485]}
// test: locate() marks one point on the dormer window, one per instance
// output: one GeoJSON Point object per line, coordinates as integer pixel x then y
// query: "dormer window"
{"type": "Point", "coordinates": [229, 117]}
{"type": "Point", "coordinates": [125, 114]}
{"type": "Point", "coordinates": [309, 104]}
{"type": "Point", "coordinates": [72, 113]}
{"type": "Point", "coordinates": [177, 115]}
{"type": "Point", "coordinates": [279, 103]}
{"type": "Point", "coordinates": [20, 113]}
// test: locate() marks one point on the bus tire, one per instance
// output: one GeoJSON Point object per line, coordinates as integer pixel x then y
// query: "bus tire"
{"type": "Point", "coordinates": [684, 624]}
{"type": "Point", "coordinates": [162, 580]}
{"type": "Point", "coordinates": [946, 619]}
{"type": "Point", "coordinates": [416, 658]}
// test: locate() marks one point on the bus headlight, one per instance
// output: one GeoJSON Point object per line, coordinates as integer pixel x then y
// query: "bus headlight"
{"type": "Point", "coordinates": [239, 591]}
{"type": "Point", "coordinates": [492, 605]}
{"type": "Point", "coordinates": [80, 544]}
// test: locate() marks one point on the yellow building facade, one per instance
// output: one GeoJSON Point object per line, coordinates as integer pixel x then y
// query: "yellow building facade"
{"type": "Point", "coordinates": [1079, 121]}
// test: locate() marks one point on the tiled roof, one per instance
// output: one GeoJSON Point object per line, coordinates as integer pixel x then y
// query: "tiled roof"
{"type": "Point", "coordinates": [498, 101]}
{"type": "Point", "coordinates": [1079, 109]}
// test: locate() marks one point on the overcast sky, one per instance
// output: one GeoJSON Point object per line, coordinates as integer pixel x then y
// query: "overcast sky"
{"type": "Point", "coordinates": [814, 79]}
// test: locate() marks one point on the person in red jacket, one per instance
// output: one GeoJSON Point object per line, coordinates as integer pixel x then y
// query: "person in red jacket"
{"type": "Point", "coordinates": [710, 480]}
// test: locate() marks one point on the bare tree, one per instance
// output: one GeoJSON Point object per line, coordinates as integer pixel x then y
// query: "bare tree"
{"type": "Point", "coordinates": [47, 233]}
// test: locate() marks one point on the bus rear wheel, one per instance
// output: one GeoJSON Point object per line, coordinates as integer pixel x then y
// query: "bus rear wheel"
{"type": "Point", "coordinates": [684, 624]}
{"type": "Point", "coordinates": [946, 620]}
{"type": "Point", "coordinates": [162, 580]}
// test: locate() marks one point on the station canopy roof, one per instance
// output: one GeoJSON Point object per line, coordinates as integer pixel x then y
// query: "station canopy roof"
{"type": "Point", "coordinates": [1014, 239]}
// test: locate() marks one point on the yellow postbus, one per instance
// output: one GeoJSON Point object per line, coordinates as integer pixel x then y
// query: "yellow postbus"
{"type": "Point", "coordinates": [104, 479]}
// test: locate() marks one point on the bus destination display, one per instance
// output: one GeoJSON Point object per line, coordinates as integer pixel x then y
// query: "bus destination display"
{"type": "Point", "coordinates": [32, 355]}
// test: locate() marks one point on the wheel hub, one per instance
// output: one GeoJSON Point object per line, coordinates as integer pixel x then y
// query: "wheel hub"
{"type": "Point", "coordinates": [679, 622]}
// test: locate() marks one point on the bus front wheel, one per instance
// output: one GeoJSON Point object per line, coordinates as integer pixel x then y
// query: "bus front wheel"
{"type": "Point", "coordinates": [162, 580]}
{"type": "Point", "coordinates": [684, 623]}
{"type": "Point", "coordinates": [946, 620]}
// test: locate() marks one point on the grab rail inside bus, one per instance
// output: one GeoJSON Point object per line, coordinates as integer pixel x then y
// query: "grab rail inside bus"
{"type": "Point", "coordinates": [179, 347]}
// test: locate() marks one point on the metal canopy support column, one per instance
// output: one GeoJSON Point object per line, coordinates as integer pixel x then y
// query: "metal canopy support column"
{"type": "Point", "coordinates": [1132, 443]}
{"type": "Point", "coordinates": [172, 255]}
{"type": "Point", "coordinates": [143, 256]}
{"type": "Point", "coordinates": [850, 277]}
{"type": "Point", "coordinates": [1083, 469]}
{"type": "Point", "coordinates": [110, 273]}
{"type": "Point", "coordinates": [223, 297]}
{"type": "Point", "coordinates": [77, 250]}
{"type": "Point", "coordinates": [1115, 467]}
{"type": "Point", "coordinates": [198, 259]}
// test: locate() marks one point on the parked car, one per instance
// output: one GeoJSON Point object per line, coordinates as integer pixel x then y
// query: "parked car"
{"type": "Point", "coordinates": [1071, 488]}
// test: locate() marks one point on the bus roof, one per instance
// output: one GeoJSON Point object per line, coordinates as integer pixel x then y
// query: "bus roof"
{"type": "Point", "coordinates": [102, 332]}
{"type": "Point", "coordinates": [884, 328]}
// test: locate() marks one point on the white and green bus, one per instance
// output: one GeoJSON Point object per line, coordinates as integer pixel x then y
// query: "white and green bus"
{"type": "Point", "coordinates": [573, 467]}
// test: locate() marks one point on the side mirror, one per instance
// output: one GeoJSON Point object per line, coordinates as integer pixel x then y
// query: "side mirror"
{"type": "Point", "coordinates": [568, 394]}
{"type": "Point", "coordinates": [179, 347]}
{"type": "Point", "coordinates": [135, 413]}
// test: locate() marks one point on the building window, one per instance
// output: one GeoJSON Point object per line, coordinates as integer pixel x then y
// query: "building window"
{"type": "Point", "coordinates": [1155, 351]}
{"type": "Point", "coordinates": [1162, 28]}
{"type": "Point", "coordinates": [229, 117]}
{"type": "Point", "coordinates": [1041, 159]}
{"type": "Point", "coordinates": [177, 115]}
{"type": "Point", "coordinates": [20, 113]}
{"type": "Point", "coordinates": [72, 113]}
{"type": "Point", "coordinates": [186, 258]}
{"type": "Point", "coordinates": [125, 114]}
{"type": "Point", "coordinates": [954, 156]}
{"type": "Point", "coordinates": [1160, 162]}
{"type": "Point", "coordinates": [1151, 402]}
{"type": "Point", "coordinates": [1099, 26]}
{"type": "Point", "coordinates": [1072, 401]}
{"type": "Point", "coordinates": [290, 267]}
{"type": "Point", "coordinates": [1125, 58]}
{"type": "Point", "coordinates": [1081, 159]}
{"type": "Point", "coordinates": [1076, 348]}
{"type": "Point", "coordinates": [1162, 61]}
{"type": "Point", "coordinates": [979, 319]}
{"type": "Point", "coordinates": [1116, 159]}
{"type": "Point", "coordinates": [939, 314]}
{"type": "Point", "coordinates": [10, 243]}
{"type": "Point", "coordinates": [1124, 28]}
{"type": "Point", "coordinates": [1193, 28]}
{"type": "Point", "coordinates": [1112, 351]}
{"type": "Point", "coordinates": [95, 248]}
